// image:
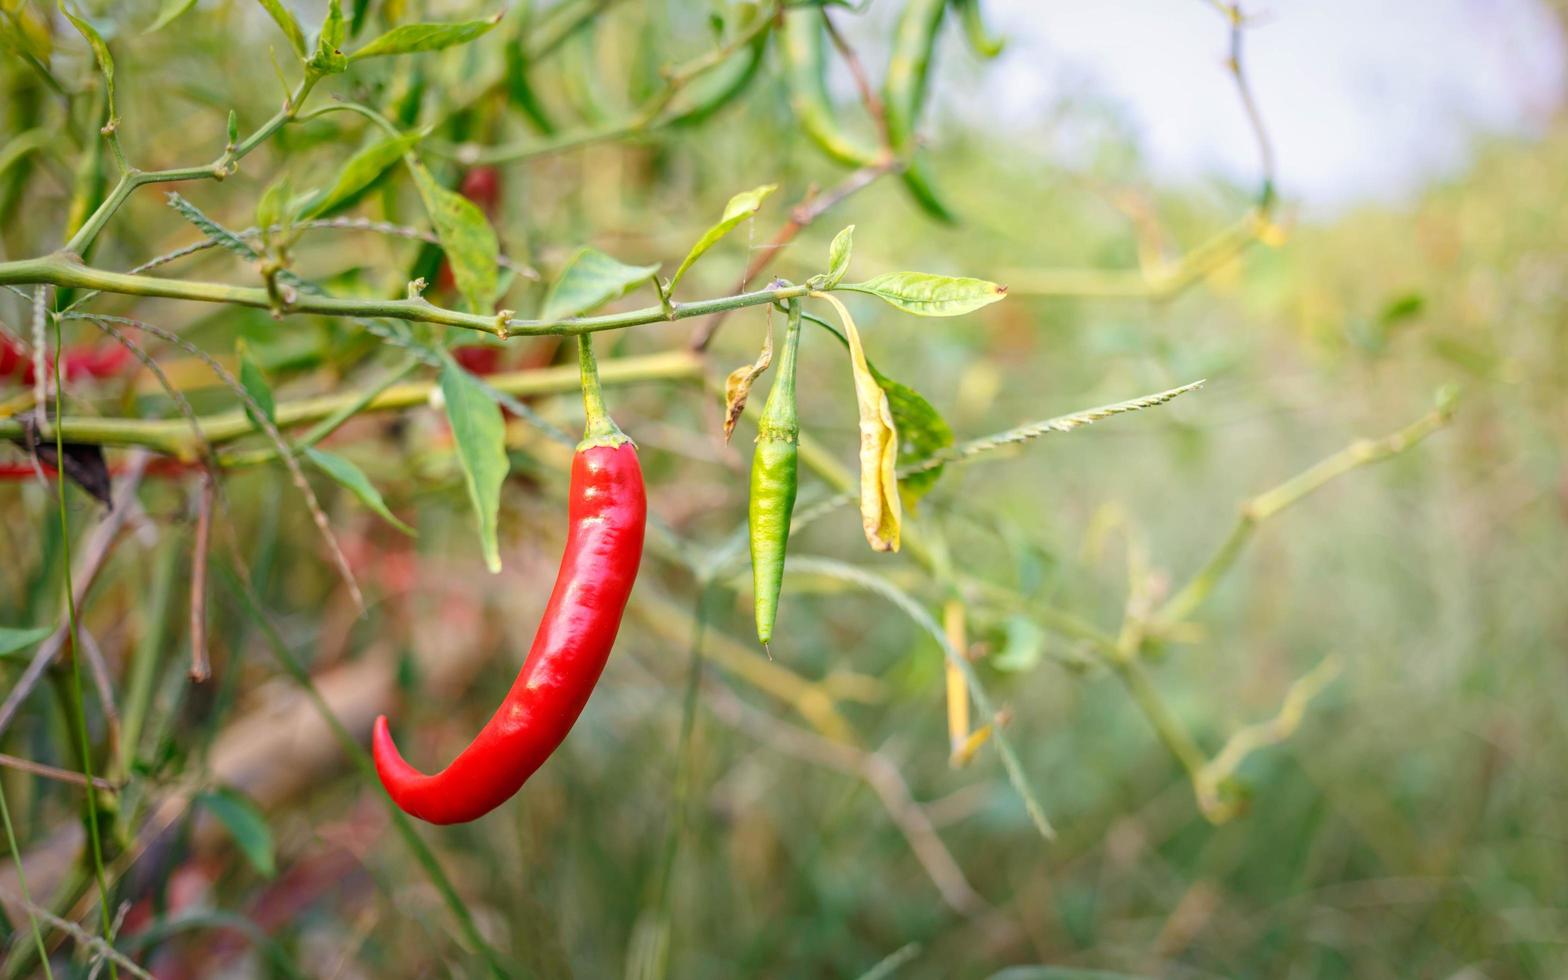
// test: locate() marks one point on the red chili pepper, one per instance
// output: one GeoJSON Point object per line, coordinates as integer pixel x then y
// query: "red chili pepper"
{"type": "Point", "coordinates": [100, 361]}
{"type": "Point", "coordinates": [607, 510]}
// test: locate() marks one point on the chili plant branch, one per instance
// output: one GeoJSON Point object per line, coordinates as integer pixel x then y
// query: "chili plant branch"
{"type": "Point", "coordinates": [89, 563]}
{"type": "Point", "coordinates": [878, 773]}
{"type": "Point", "coordinates": [810, 208]}
{"type": "Point", "coordinates": [1260, 508]}
{"type": "Point", "coordinates": [218, 169]}
{"type": "Point", "coordinates": [58, 270]}
{"type": "Point", "coordinates": [178, 437]}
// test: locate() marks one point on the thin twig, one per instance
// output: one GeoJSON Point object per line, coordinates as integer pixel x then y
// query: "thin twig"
{"type": "Point", "coordinates": [83, 938]}
{"type": "Point", "coordinates": [877, 772]}
{"type": "Point", "coordinates": [55, 773]}
{"type": "Point", "coordinates": [88, 564]}
{"type": "Point", "coordinates": [201, 668]}
{"type": "Point", "coordinates": [269, 428]}
{"type": "Point", "coordinates": [99, 669]}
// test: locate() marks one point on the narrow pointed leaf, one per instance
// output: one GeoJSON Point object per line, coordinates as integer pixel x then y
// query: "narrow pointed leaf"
{"type": "Point", "coordinates": [480, 435]}
{"type": "Point", "coordinates": [245, 824]}
{"type": "Point", "coordinates": [354, 480]}
{"type": "Point", "coordinates": [13, 639]}
{"type": "Point", "coordinates": [924, 294]}
{"type": "Point", "coordinates": [589, 280]}
{"type": "Point", "coordinates": [286, 23]}
{"type": "Point", "coordinates": [739, 208]}
{"type": "Point", "coordinates": [408, 38]}
{"type": "Point", "coordinates": [256, 386]}
{"type": "Point", "coordinates": [360, 172]}
{"type": "Point", "coordinates": [100, 53]}
{"type": "Point", "coordinates": [171, 10]}
{"type": "Point", "coordinates": [466, 237]}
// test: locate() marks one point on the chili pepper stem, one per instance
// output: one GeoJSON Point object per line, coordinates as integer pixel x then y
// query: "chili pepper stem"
{"type": "Point", "coordinates": [600, 429]}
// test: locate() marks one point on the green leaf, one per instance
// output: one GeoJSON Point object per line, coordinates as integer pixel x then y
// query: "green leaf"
{"type": "Point", "coordinates": [245, 824]}
{"type": "Point", "coordinates": [1023, 647]}
{"type": "Point", "coordinates": [13, 639]}
{"type": "Point", "coordinates": [466, 237]}
{"type": "Point", "coordinates": [360, 172]}
{"type": "Point", "coordinates": [171, 10]}
{"type": "Point", "coordinates": [280, 15]}
{"type": "Point", "coordinates": [353, 479]}
{"type": "Point", "coordinates": [480, 434]}
{"type": "Point", "coordinates": [924, 294]}
{"type": "Point", "coordinates": [838, 256]}
{"type": "Point", "coordinates": [273, 209]}
{"type": "Point", "coordinates": [922, 430]}
{"type": "Point", "coordinates": [408, 38]}
{"type": "Point", "coordinates": [329, 58]}
{"type": "Point", "coordinates": [100, 53]}
{"type": "Point", "coordinates": [255, 385]}
{"type": "Point", "coordinates": [589, 280]}
{"type": "Point", "coordinates": [739, 208]}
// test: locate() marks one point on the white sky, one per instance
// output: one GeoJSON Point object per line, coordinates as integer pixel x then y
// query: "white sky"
{"type": "Point", "coordinates": [1364, 99]}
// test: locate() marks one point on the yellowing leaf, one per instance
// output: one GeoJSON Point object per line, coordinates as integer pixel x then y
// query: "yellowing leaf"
{"type": "Point", "coordinates": [880, 512]}
{"type": "Point", "coordinates": [737, 387]}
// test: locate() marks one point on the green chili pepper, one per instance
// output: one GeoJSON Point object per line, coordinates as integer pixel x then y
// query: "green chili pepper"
{"type": "Point", "coordinates": [718, 88]}
{"type": "Point", "coordinates": [982, 43]}
{"type": "Point", "coordinates": [806, 74]}
{"type": "Point", "coordinates": [773, 482]}
{"type": "Point", "coordinates": [904, 93]}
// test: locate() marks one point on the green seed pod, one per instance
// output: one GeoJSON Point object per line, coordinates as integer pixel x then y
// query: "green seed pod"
{"type": "Point", "coordinates": [806, 75]}
{"type": "Point", "coordinates": [774, 471]}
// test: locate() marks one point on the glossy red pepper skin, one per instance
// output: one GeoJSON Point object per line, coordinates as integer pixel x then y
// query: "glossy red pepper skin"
{"type": "Point", "coordinates": [607, 511]}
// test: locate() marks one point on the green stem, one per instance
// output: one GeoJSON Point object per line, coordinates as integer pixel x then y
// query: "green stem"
{"type": "Point", "coordinates": [21, 883]}
{"type": "Point", "coordinates": [600, 429]}
{"type": "Point", "coordinates": [175, 437]}
{"type": "Point", "coordinates": [1260, 508]}
{"type": "Point", "coordinates": [79, 707]}
{"type": "Point", "coordinates": [132, 178]}
{"type": "Point", "coordinates": [328, 425]}
{"type": "Point", "coordinates": [1136, 679]}
{"type": "Point", "coordinates": [778, 413]}
{"type": "Point", "coordinates": [58, 270]}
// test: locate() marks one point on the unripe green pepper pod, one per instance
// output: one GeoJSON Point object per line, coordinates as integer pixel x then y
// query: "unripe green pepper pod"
{"type": "Point", "coordinates": [774, 472]}
{"type": "Point", "coordinates": [904, 95]}
{"type": "Point", "coordinates": [801, 41]}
